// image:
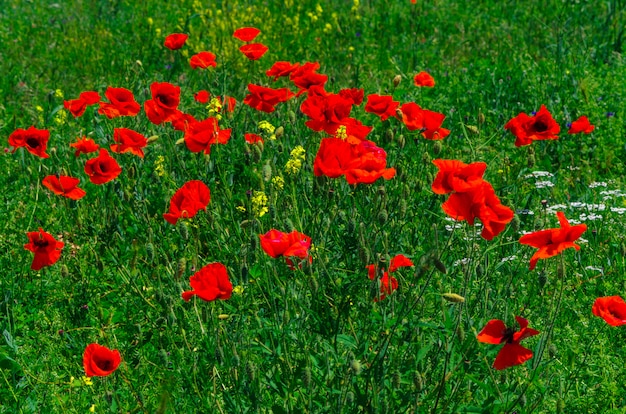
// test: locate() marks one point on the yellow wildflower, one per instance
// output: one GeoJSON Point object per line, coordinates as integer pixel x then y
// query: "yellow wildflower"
{"type": "Point", "coordinates": [158, 166]}
{"type": "Point", "coordinates": [341, 132]}
{"type": "Point", "coordinates": [87, 381]}
{"type": "Point", "coordinates": [58, 94]}
{"type": "Point", "coordinates": [92, 409]}
{"type": "Point", "coordinates": [215, 107]}
{"type": "Point", "coordinates": [60, 117]}
{"type": "Point", "coordinates": [278, 183]}
{"type": "Point", "coordinates": [241, 209]}
{"type": "Point", "coordinates": [295, 162]}
{"type": "Point", "coordinates": [259, 204]}
{"type": "Point", "coordinates": [238, 290]}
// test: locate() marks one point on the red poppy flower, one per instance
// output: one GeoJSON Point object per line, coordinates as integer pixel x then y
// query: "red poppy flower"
{"type": "Point", "coordinates": [201, 135]}
{"type": "Point", "coordinates": [128, 141]}
{"type": "Point", "coordinates": [388, 283]}
{"type": "Point", "coordinates": [382, 105]}
{"type": "Point", "coordinates": [103, 168]}
{"type": "Point", "coordinates": [427, 122]}
{"type": "Point", "coordinates": [203, 60]}
{"type": "Point", "coordinates": [100, 361]}
{"type": "Point", "coordinates": [327, 111]}
{"type": "Point", "coordinates": [551, 242]}
{"type": "Point", "coordinates": [276, 243]}
{"type": "Point", "coordinates": [512, 353]}
{"type": "Point", "coordinates": [164, 103]}
{"type": "Point", "coordinates": [187, 201]}
{"type": "Point", "coordinates": [122, 103]}
{"type": "Point", "coordinates": [210, 283]}
{"type": "Point", "coordinates": [353, 94]}
{"type": "Point", "coordinates": [182, 121]}
{"type": "Point", "coordinates": [34, 140]}
{"type": "Point", "coordinates": [246, 34]}
{"type": "Point", "coordinates": [424, 79]}
{"type": "Point", "coordinates": [229, 103]}
{"type": "Point", "coordinates": [77, 106]}
{"type": "Point", "coordinates": [253, 138]}
{"type": "Point", "coordinates": [581, 125]}
{"type": "Point", "coordinates": [280, 69]}
{"type": "Point", "coordinates": [254, 51]}
{"type": "Point", "coordinates": [47, 250]}
{"type": "Point", "coordinates": [527, 129]}
{"type": "Point", "coordinates": [84, 145]}
{"type": "Point", "coordinates": [307, 80]}
{"type": "Point", "coordinates": [612, 309]}
{"type": "Point", "coordinates": [64, 185]}
{"type": "Point", "coordinates": [202, 96]}
{"type": "Point", "coordinates": [175, 41]}
{"type": "Point", "coordinates": [457, 176]}
{"type": "Point", "coordinates": [265, 99]}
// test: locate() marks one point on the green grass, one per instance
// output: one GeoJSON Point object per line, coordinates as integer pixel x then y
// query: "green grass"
{"type": "Point", "coordinates": [313, 340]}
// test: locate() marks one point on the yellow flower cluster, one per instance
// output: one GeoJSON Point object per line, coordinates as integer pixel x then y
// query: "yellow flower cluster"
{"type": "Point", "coordinates": [158, 166]}
{"type": "Point", "coordinates": [295, 162]}
{"type": "Point", "coordinates": [61, 117]}
{"type": "Point", "coordinates": [215, 107]}
{"type": "Point", "coordinates": [259, 204]}
{"type": "Point", "coordinates": [278, 183]}
{"type": "Point", "coordinates": [268, 128]}
{"type": "Point", "coordinates": [341, 132]}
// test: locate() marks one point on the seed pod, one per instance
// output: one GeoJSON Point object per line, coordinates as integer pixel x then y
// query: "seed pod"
{"type": "Point", "coordinates": [481, 118]}
{"type": "Point", "coordinates": [396, 80]}
{"type": "Point", "coordinates": [460, 333]}
{"type": "Point", "coordinates": [149, 252]}
{"type": "Point", "coordinates": [280, 131]}
{"type": "Point", "coordinates": [453, 297]}
{"type": "Point", "coordinates": [267, 172]}
{"type": "Point", "coordinates": [389, 135]}
{"type": "Point", "coordinates": [418, 381]}
{"type": "Point", "coordinates": [64, 271]}
{"type": "Point", "coordinates": [396, 379]}
{"type": "Point", "coordinates": [401, 141]}
{"type": "Point", "coordinates": [183, 229]}
{"type": "Point", "coordinates": [515, 223]}
{"type": "Point", "coordinates": [437, 147]}
{"type": "Point", "coordinates": [383, 216]}
{"type": "Point", "coordinates": [182, 266]}
{"type": "Point", "coordinates": [439, 265]}
{"type": "Point", "coordinates": [403, 207]}
{"type": "Point", "coordinates": [292, 117]}
{"type": "Point", "coordinates": [257, 153]}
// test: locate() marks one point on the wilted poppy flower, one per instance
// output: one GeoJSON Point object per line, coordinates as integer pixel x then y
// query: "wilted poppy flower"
{"type": "Point", "coordinates": [253, 138]}
{"type": "Point", "coordinates": [281, 68]}
{"type": "Point", "coordinates": [254, 51]}
{"type": "Point", "coordinates": [512, 353]}
{"type": "Point", "coordinates": [128, 141]}
{"type": "Point", "coordinates": [203, 60]}
{"type": "Point", "coordinates": [581, 125]}
{"type": "Point", "coordinates": [175, 41]}
{"type": "Point", "coordinates": [551, 242]}
{"type": "Point", "coordinates": [527, 129]}
{"type": "Point", "coordinates": [199, 136]}
{"type": "Point", "coordinates": [100, 361]}
{"type": "Point", "coordinates": [122, 103]}
{"type": "Point", "coordinates": [193, 196]}
{"type": "Point", "coordinates": [84, 145]}
{"type": "Point", "coordinates": [276, 243]}
{"type": "Point", "coordinates": [424, 79]}
{"type": "Point", "coordinates": [246, 34]}
{"type": "Point", "coordinates": [164, 103]}
{"type": "Point", "coordinates": [457, 176]}
{"type": "Point", "coordinates": [388, 283]}
{"type": "Point", "coordinates": [64, 185]}
{"type": "Point", "coordinates": [210, 283]}
{"type": "Point", "coordinates": [265, 99]}
{"type": "Point", "coordinates": [202, 96]}
{"type": "Point", "coordinates": [612, 309]}
{"type": "Point", "coordinates": [382, 105]}
{"type": "Point", "coordinates": [77, 106]}
{"type": "Point", "coordinates": [34, 140]}
{"type": "Point", "coordinates": [103, 168]}
{"type": "Point", "coordinates": [47, 250]}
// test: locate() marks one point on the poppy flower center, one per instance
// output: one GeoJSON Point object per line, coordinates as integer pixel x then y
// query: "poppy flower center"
{"type": "Point", "coordinates": [104, 364]}
{"type": "Point", "coordinates": [508, 336]}
{"type": "Point", "coordinates": [32, 142]}
{"type": "Point", "coordinates": [540, 126]}
{"type": "Point", "coordinates": [41, 243]}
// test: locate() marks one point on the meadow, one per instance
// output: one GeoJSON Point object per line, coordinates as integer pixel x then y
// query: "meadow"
{"type": "Point", "coordinates": [337, 285]}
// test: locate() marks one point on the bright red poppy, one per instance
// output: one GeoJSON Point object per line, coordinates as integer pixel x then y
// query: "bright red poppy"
{"type": "Point", "coordinates": [512, 353]}
{"type": "Point", "coordinates": [84, 145]}
{"type": "Point", "coordinates": [164, 103]}
{"type": "Point", "coordinates": [47, 250]}
{"type": "Point", "coordinates": [254, 51]}
{"type": "Point", "coordinates": [121, 103]}
{"type": "Point", "coordinates": [128, 141]}
{"type": "Point", "coordinates": [265, 99]}
{"type": "Point", "coordinates": [527, 129]}
{"type": "Point", "coordinates": [353, 94]}
{"type": "Point", "coordinates": [382, 105]}
{"type": "Point", "coordinates": [34, 140]}
{"type": "Point", "coordinates": [612, 309]}
{"type": "Point", "coordinates": [427, 122]}
{"type": "Point", "coordinates": [281, 68]}
{"type": "Point", "coordinates": [210, 283]}
{"type": "Point", "coordinates": [203, 60]}
{"type": "Point", "coordinates": [199, 136]}
{"type": "Point", "coordinates": [551, 242]}
{"type": "Point", "coordinates": [457, 176]}
{"type": "Point", "coordinates": [327, 111]}
{"type": "Point", "coordinates": [246, 34]}
{"type": "Point", "coordinates": [253, 138]}
{"type": "Point", "coordinates": [103, 168]}
{"type": "Point", "coordinates": [77, 106]}
{"type": "Point", "coordinates": [202, 96]}
{"type": "Point", "coordinates": [276, 243]}
{"type": "Point", "coordinates": [100, 361]}
{"type": "Point", "coordinates": [175, 41]}
{"type": "Point", "coordinates": [388, 283]}
{"type": "Point", "coordinates": [182, 121]}
{"type": "Point", "coordinates": [424, 79]}
{"type": "Point", "coordinates": [192, 197]}
{"type": "Point", "coordinates": [64, 185]}
{"type": "Point", "coordinates": [581, 125]}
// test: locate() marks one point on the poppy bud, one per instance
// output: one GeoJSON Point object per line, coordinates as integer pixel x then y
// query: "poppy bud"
{"type": "Point", "coordinates": [280, 131]}
{"type": "Point", "coordinates": [152, 138]}
{"type": "Point", "coordinates": [149, 252]}
{"type": "Point", "coordinates": [403, 208]}
{"type": "Point", "coordinates": [267, 172]}
{"type": "Point", "coordinates": [184, 231]}
{"type": "Point", "coordinates": [426, 159]}
{"type": "Point", "coordinates": [481, 118]}
{"type": "Point", "coordinates": [401, 141]}
{"type": "Point", "coordinates": [180, 269]}
{"type": "Point", "coordinates": [515, 223]}
{"type": "Point", "coordinates": [437, 147]}
{"type": "Point", "coordinates": [306, 377]}
{"type": "Point", "coordinates": [471, 128]}
{"type": "Point", "coordinates": [381, 190]}
{"type": "Point", "coordinates": [292, 117]}
{"type": "Point", "coordinates": [418, 381]}
{"type": "Point", "coordinates": [396, 80]}
{"type": "Point", "coordinates": [355, 366]}
{"type": "Point", "coordinates": [453, 297]}
{"type": "Point", "coordinates": [383, 216]}
{"type": "Point", "coordinates": [64, 271]}
{"type": "Point", "coordinates": [439, 265]}
{"type": "Point", "coordinates": [257, 153]}
{"type": "Point", "coordinates": [530, 162]}
{"type": "Point", "coordinates": [389, 135]}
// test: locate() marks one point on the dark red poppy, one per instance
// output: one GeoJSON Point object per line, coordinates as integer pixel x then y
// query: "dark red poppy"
{"type": "Point", "coordinates": [163, 107]}
{"type": "Point", "coordinates": [84, 145]}
{"type": "Point", "coordinates": [551, 242]}
{"type": "Point", "coordinates": [128, 141]}
{"type": "Point", "coordinates": [100, 361]}
{"type": "Point", "coordinates": [512, 353]}
{"type": "Point", "coordinates": [103, 168]}
{"type": "Point", "coordinates": [424, 79]}
{"type": "Point", "coordinates": [34, 140]}
{"type": "Point", "coordinates": [527, 129]}
{"type": "Point", "coordinates": [276, 243]}
{"type": "Point", "coordinates": [457, 176]}
{"type": "Point", "coordinates": [64, 185]}
{"type": "Point", "coordinates": [581, 125]}
{"type": "Point", "coordinates": [47, 250]}
{"type": "Point", "coordinates": [77, 106]}
{"type": "Point", "coordinates": [307, 80]}
{"type": "Point", "coordinates": [210, 283]}
{"type": "Point", "coordinates": [175, 41]}
{"type": "Point", "coordinates": [280, 69]}
{"type": "Point", "coordinates": [202, 96]}
{"type": "Point", "coordinates": [203, 60]}
{"type": "Point", "coordinates": [265, 99]}
{"type": "Point", "coordinates": [187, 201]}
{"type": "Point", "coordinates": [246, 34]}
{"type": "Point", "coordinates": [382, 105]}
{"type": "Point", "coordinates": [388, 283]}
{"type": "Point", "coordinates": [182, 121]}
{"type": "Point", "coordinates": [254, 51]}
{"type": "Point", "coordinates": [253, 138]}
{"type": "Point", "coordinates": [121, 103]}
{"type": "Point", "coordinates": [612, 309]}
{"type": "Point", "coordinates": [201, 135]}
